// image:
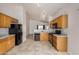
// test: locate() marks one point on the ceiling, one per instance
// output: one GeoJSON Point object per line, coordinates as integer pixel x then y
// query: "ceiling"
{"type": "Point", "coordinates": [41, 11]}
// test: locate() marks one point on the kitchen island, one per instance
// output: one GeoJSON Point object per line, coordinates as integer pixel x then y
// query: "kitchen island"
{"type": "Point", "coordinates": [41, 35]}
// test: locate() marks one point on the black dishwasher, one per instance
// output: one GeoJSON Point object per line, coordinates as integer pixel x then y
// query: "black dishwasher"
{"type": "Point", "coordinates": [37, 36]}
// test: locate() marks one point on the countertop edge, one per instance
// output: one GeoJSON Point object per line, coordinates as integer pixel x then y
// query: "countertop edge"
{"type": "Point", "coordinates": [5, 36]}
{"type": "Point", "coordinates": [60, 35]}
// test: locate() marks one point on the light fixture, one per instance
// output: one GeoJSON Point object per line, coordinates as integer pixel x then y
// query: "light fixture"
{"type": "Point", "coordinates": [43, 15]}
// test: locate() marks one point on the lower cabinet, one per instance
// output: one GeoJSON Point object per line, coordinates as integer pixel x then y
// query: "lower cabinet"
{"type": "Point", "coordinates": [3, 47]}
{"type": "Point", "coordinates": [37, 36]}
{"type": "Point", "coordinates": [44, 36]}
{"type": "Point", "coordinates": [6, 44]}
{"type": "Point", "coordinates": [11, 42]}
{"type": "Point", "coordinates": [60, 43]}
{"type": "Point", "coordinates": [50, 38]}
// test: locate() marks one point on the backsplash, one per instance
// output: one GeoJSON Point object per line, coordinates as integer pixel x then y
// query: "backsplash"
{"type": "Point", "coordinates": [64, 31]}
{"type": "Point", "coordinates": [3, 31]}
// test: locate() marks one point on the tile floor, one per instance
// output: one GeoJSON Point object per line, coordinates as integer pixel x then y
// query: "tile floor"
{"type": "Point", "coordinates": [31, 47]}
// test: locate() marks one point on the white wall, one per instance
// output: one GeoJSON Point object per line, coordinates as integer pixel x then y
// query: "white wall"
{"type": "Point", "coordinates": [33, 24]}
{"type": "Point", "coordinates": [73, 32]}
{"type": "Point", "coordinates": [73, 29]}
{"type": "Point", "coordinates": [22, 19]}
{"type": "Point", "coordinates": [9, 9]}
{"type": "Point", "coordinates": [17, 12]}
{"type": "Point", "coordinates": [27, 24]}
{"type": "Point", "coordinates": [3, 31]}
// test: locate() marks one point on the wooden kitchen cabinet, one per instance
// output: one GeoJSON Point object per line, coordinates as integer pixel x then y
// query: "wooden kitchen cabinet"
{"type": "Point", "coordinates": [55, 41]}
{"type": "Point", "coordinates": [11, 42]}
{"type": "Point", "coordinates": [51, 38]}
{"type": "Point", "coordinates": [44, 36]}
{"type": "Point", "coordinates": [5, 21]}
{"type": "Point", "coordinates": [61, 21]}
{"type": "Point", "coordinates": [3, 46]}
{"type": "Point", "coordinates": [6, 44]}
{"type": "Point", "coordinates": [60, 43]}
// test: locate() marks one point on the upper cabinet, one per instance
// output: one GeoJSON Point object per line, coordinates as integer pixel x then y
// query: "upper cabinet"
{"type": "Point", "coordinates": [14, 21]}
{"type": "Point", "coordinates": [60, 22]}
{"type": "Point", "coordinates": [5, 21]}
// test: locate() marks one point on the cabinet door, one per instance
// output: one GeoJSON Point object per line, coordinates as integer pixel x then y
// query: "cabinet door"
{"type": "Point", "coordinates": [62, 44]}
{"type": "Point", "coordinates": [44, 36]}
{"type": "Point", "coordinates": [51, 38]}
{"type": "Point", "coordinates": [6, 44]}
{"type": "Point", "coordinates": [3, 46]}
{"type": "Point", "coordinates": [59, 22]}
{"type": "Point", "coordinates": [12, 41]}
{"type": "Point", "coordinates": [64, 21]}
{"type": "Point", "coordinates": [5, 21]}
{"type": "Point", "coordinates": [1, 20]}
{"type": "Point", "coordinates": [55, 41]}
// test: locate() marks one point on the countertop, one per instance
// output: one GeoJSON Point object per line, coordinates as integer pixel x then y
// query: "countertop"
{"type": "Point", "coordinates": [39, 31]}
{"type": "Point", "coordinates": [60, 35]}
{"type": "Point", "coordinates": [49, 32]}
{"type": "Point", "coordinates": [4, 36]}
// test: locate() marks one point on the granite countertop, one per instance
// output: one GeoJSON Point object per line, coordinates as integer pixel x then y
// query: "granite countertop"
{"type": "Point", "coordinates": [39, 31]}
{"type": "Point", "coordinates": [4, 36]}
{"type": "Point", "coordinates": [50, 33]}
{"type": "Point", "coordinates": [60, 35]}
